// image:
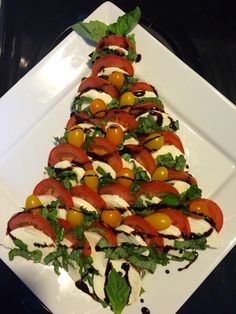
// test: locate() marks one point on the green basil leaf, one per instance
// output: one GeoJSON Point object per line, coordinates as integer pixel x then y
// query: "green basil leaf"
{"type": "Point", "coordinates": [170, 200]}
{"type": "Point", "coordinates": [94, 30]}
{"type": "Point", "coordinates": [195, 244]}
{"type": "Point", "coordinates": [193, 192]}
{"type": "Point", "coordinates": [117, 290]}
{"type": "Point", "coordinates": [126, 22]}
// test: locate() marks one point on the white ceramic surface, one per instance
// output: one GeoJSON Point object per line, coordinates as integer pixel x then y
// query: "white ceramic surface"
{"type": "Point", "coordinates": [37, 108]}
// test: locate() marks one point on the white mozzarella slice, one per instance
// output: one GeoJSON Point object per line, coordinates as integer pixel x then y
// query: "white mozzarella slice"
{"type": "Point", "coordinates": [134, 279]}
{"type": "Point", "coordinates": [110, 123]}
{"type": "Point", "coordinates": [113, 47]}
{"type": "Point", "coordinates": [171, 231]}
{"type": "Point", "coordinates": [130, 164]}
{"type": "Point", "coordinates": [180, 186]}
{"type": "Point", "coordinates": [125, 228]}
{"type": "Point", "coordinates": [109, 70]}
{"type": "Point", "coordinates": [147, 201]}
{"type": "Point", "coordinates": [66, 242]}
{"type": "Point", "coordinates": [99, 260]}
{"type": "Point", "coordinates": [86, 125]}
{"type": "Point", "coordinates": [33, 238]}
{"type": "Point", "coordinates": [147, 94]}
{"type": "Point", "coordinates": [107, 168]}
{"type": "Point", "coordinates": [79, 173]}
{"type": "Point", "coordinates": [46, 200]}
{"type": "Point", "coordinates": [201, 226]}
{"type": "Point", "coordinates": [61, 213]}
{"type": "Point", "coordinates": [132, 239]}
{"type": "Point", "coordinates": [64, 164]}
{"type": "Point", "coordinates": [93, 93]}
{"type": "Point", "coordinates": [131, 140]}
{"type": "Point", "coordinates": [114, 201]}
{"type": "Point", "coordinates": [79, 202]}
{"type": "Point", "coordinates": [125, 236]}
{"type": "Point", "coordinates": [165, 149]}
{"type": "Point", "coordinates": [98, 286]}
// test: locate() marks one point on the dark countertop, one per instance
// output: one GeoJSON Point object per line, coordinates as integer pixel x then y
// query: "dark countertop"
{"type": "Point", "coordinates": [203, 34]}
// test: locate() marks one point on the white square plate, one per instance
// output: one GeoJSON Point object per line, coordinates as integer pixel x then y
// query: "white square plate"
{"type": "Point", "coordinates": [37, 108]}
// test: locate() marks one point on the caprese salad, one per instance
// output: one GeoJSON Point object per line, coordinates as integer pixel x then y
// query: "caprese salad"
{"type": "Point", "coordinates": [118, 198]}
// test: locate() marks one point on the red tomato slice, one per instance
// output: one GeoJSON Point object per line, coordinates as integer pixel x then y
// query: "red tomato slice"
{"type": "Point", "coordinates": [215, 212]}
{"type": "Point", "coordinates": [103, 148]}
{"type": "Point", "coordinates": [142, 86]}
{"type": "Point", "coordinates": [29, 219]}
{"type": "Point", "coordinates": [154, 240]}
{"type": "Point", "coordinates": [140, 224]}
{"type": "Point", "coordinates": [65, 224]}
{"type": "Point", "coordinates": [173, 139]}
{"type": "Point", "coordinates": [179, 220]}
{"type": "Point", "coordinates": [69, 152]}
{"type": "Point", "coordinates": [112, 61]}
{"type": "Point", "coordinates": [124, 118]}
{"type": "Point", "coordinates": [99, 84]}
{"type": "Point", "coordinates": [55, 188]}
{"type": "Point", "coordinates": [83, 117]}
{"type": "Point", "coordinates": [89, 195]}
{"type": "Point", "coordinates": [181, 175]}
{"type": "Point", "coordinates": [87, 249]}
{"type": "Point", "coordinates": [143, 156]}
{"type": "Point", "coordinates": [118, 189]}
{"type": "Point", "coordinates": [154, 188]}
{"type": "Point", "coordinates": [106, 232]}
{"type": "Point", "coordinates": [114, 40]}
{"type": "Point", "coordinates": [143, 107]}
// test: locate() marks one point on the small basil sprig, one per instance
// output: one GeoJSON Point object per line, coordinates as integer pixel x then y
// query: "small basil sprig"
{"type": "Point", "coordinates": [95, 30]}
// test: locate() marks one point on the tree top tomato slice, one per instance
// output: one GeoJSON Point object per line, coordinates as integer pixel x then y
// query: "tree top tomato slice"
{"type": "Point", "coordinates": [89, 195]}
{"type": "Point", "coordinates": [118, 189]}
{"type": "Point", "coordinates": [154, 188]}
{"type": "Point", "coordinates": [181, 175]}
{"type": "Point", "coordinates": [140, 224]}
{"type": "Point", "coordinates": [69, 152]}
{"type": "Point", "coordinates": [106, 232]}
{"type": "Point", "coordinates": [112, 61]}
{"type": "Point", "coordinates": [173, 139]}
{"type": "Point", "coordinates": [30, 219]}
{"type": "Point", "coordinates": [55, 188]}
{"type": "Point", "coordinates": [115, 40]}
{"type": "Point", "coordinates": [143, 156]}
{"type": "Point", "coordinates": [179, 220]}
{"type": "Point", "coordinates": [99, 84]}
{"type": "Point", "coordinates": [142, 86]}
{"type": "Point", "coordinates": [215, 212]}
{"type": "Point", "coordinates": [124, 118]}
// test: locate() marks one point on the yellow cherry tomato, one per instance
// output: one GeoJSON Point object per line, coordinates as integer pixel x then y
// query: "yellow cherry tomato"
{"type": "Point", "coordinates": [117, 79]}
{"type": "Point", "coordinates": [198, 210]}
{"type": "Point", "coordinates": [125, 176]}
{"type": "Point", "coordinates": [159, 220]}
{"type": "Point", "coordinates": [154, 141]}
{"type": "Point", "coordinates": [114, 134]}
{"type": "Point", "coordinates": [98, 108]}
{"type": "Point", "coordinates": [127, 99]}
{"type": "Point", "coordinates": [32, 202]}
{"type": "Point", "coordinates": [91, 179]}
{"type": "Point", "coordinates": [111, 217]}
{"type": "Point", "coordinates": [74, 216]}
{"type": "Point", "coordinates": [160, 174]}
{"type": "Point", "coordinates": [76, 136]}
